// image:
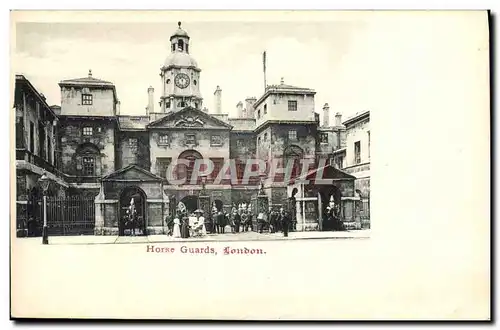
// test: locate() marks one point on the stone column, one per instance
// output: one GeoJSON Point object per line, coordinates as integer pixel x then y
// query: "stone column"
{"type": "Point", "coordinates": [99, 212]}
{"type": "Point", "coordinates": [300, 218]}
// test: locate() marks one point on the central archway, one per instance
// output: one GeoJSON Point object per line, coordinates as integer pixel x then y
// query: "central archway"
{"type": "Point", "coordinates": [191, 203]}
{"type": "Point", "coordinates": [139, 196]}
{"type": "Point", "coordinates": [186, 170]}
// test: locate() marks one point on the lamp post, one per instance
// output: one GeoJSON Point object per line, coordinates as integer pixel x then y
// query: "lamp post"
{"type": "Point", "coordinates": [44, 182]}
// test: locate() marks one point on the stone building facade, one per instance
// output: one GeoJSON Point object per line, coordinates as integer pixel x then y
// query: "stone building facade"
{"type": "Point", "coordinates": [354, 158]}
{"type": "Point", "coordinates": [96, 151]}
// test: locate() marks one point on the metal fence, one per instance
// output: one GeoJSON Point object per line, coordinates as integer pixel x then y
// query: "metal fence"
{"type": "Point", "coordinates": [364, 213]}
{"type": "Point", "coordinates": [65, 216]}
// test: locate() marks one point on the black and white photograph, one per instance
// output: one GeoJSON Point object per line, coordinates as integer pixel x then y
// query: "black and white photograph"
{"type": "Point", "coordinates": [100, 154]}
{"type": "Point", "coordinates": [249, 165]}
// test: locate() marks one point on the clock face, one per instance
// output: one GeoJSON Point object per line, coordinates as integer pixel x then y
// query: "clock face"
{"type": "Point", "coordinates": [182, 80]}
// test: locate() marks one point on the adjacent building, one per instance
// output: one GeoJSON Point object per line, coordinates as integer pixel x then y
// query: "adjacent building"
{"type": "Point", "coordinates": [354, 156]}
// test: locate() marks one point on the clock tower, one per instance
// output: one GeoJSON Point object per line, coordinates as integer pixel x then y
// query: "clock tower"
{"type": "Point", "coordinates": [180, 76]}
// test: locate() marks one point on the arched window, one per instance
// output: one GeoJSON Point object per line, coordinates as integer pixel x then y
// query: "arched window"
{"type": "Point", "coordinates": [186, 171]}
{"type": "Point", "coordinates": [87, 160]}
{"type": "Point", "coordinates": [181, 44]}
{"type": "Point", "coordinates": [293, 154]}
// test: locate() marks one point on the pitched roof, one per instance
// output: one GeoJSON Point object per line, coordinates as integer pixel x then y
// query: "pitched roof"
{"type": "Point", "coordinates": [148, 174]}
{"type": "Point", "coordinates": [283, 89]}
{"type": "Point", "coordinates": [86, 81]}
{"type": "Point", "coordinates": [358, 116]}
{"type": "Point", "coordinates": [329, 173]}
{"type": "Point", "coordinates": [288, 87]}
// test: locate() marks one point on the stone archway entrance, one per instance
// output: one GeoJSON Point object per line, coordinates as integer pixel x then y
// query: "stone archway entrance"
{"type": "Point", "coordinates": [191, 202]}
{"type": "Point", "coordinates": [326, 193]}
{"type": "Point", "coordinates": [138, 226]}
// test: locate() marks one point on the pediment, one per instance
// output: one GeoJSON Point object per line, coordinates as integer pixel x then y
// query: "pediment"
{"type": "Point", "coordinates": [132, 173]}
{"type": "Point", "coordinates": [189, 118]}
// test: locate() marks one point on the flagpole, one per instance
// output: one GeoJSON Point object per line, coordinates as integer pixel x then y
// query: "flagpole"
{"type": "Point", "coordinates": [264, 62]}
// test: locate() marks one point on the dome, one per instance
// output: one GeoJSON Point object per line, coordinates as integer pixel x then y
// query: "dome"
{"type": "Point", "coordinates": [180, 59]}
{"type": "Point", "coordinates": [179, 33]}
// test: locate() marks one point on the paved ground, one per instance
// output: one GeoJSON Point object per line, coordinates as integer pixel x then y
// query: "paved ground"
{"type": "Point", "coordinates": [228, 237]}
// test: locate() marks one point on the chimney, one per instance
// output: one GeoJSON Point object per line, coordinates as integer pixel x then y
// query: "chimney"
{"type": "Point", "coordinates": [282, 82]}
{"type": "Point", "coordinates": [218, 105]}
{"type": "Point", "coordinates": [249, 102]}
{"type": "Point", "coordinates": [338, 119]}
{"type": "Point", "coordinates": [205, 109]}
{"type": "Point", "coordinates": [239, 110]}
{"type": "Point", "coordinates": [151, 101]}
{"type": "Point", "coordinates": [326, 115]}
{"type": "Point", "coordinates": [117, 108]}
{"type": "Point", "coordinates": [90, 73]}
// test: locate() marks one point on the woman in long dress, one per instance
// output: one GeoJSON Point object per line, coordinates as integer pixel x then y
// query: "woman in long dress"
{"type": "Point", "coordinates": [177, 228]}
{"type": "Point", "coordinates": [185, 227]}
{"type": "Point", "coordinates": [201, 219]}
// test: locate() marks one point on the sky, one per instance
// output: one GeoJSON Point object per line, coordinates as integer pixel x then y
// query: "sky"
{"type": "Point", "coordinates": [325, 56]}
{"type": "Point", "coordinates": [355, 61]}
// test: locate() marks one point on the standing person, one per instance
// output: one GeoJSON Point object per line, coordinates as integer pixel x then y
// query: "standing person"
{"type": "Point", "coordinates": [285, 221]}
{"type": "Point", "coordinates": [176, 233]}
{"type": "Point", "coordinates": [236, 221]}
{"type": "Point", "coordinates": [244, 220]}
{"type": "Point", "coordinates": [250, 219]}
{"type": "Point", "coordinates": [185, 227]}
{"type": "Point", "coordinates": [273, 221]}
{"type": "Point", "coordinates": [221, 220]}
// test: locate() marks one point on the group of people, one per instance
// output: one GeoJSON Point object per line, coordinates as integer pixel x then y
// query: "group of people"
{"type": "Point", "coordinates": [239, 219]}
{"type": "Point", "coordinates": [185, 225]}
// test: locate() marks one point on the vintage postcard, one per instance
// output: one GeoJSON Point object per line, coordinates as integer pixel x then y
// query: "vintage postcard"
{"type": "Point", "coordinates": [218, 165]}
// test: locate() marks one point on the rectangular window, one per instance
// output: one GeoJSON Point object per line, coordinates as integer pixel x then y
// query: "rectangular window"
{"type": "Point", "coordinates": [258, 114]}
{"type": "Point", "coordinates": [41, 141]}
{"type": "Point", "coordinates": [323, 138]}
{"type": "Point", "coordinates": [368, 144]}
{"type": "Point", "coordinates": [132, 143]}
{"type": "Point", "coordinates": [292, 135]}
{"type": "Point", "coordinates": [357, 152]}
{"type": "Point", "coordinates": [292, 105]}
{"type": "Point", "coordinates": [339, 162]}
{"type": "Point", "coordinates": [88, 131]}
{"type": "Point", "coordinates": [163, 140]}
{"type": "Point", "coordinates": [265, 137]}
{"type": "Point", "coordinates": [88, 165]}
{"type": "Point", "coordinates": [87, 99]}
{"type": "Point", "coordinates": [162, 164]}
{"type": "Point", "coordinates": [32, 137]}
{"type": "Point", "coordinates": [265, 108]}
{"type": "Point", "coordinates": [49, 150]}
{"type": "Point", "coordinates": [190, 138]}
{"type": "Point", "coordinates": [215, 140]}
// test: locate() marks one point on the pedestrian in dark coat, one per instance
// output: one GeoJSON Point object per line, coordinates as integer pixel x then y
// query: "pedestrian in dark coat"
{"type": "Point", "coordinates": [185, 227]}
{"type": "Point", "coordinates": [285, 222]}
{"type": "Point", "coordinates": [236, 221]}
{"type": "Point", "coordinates": [221, 222]}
